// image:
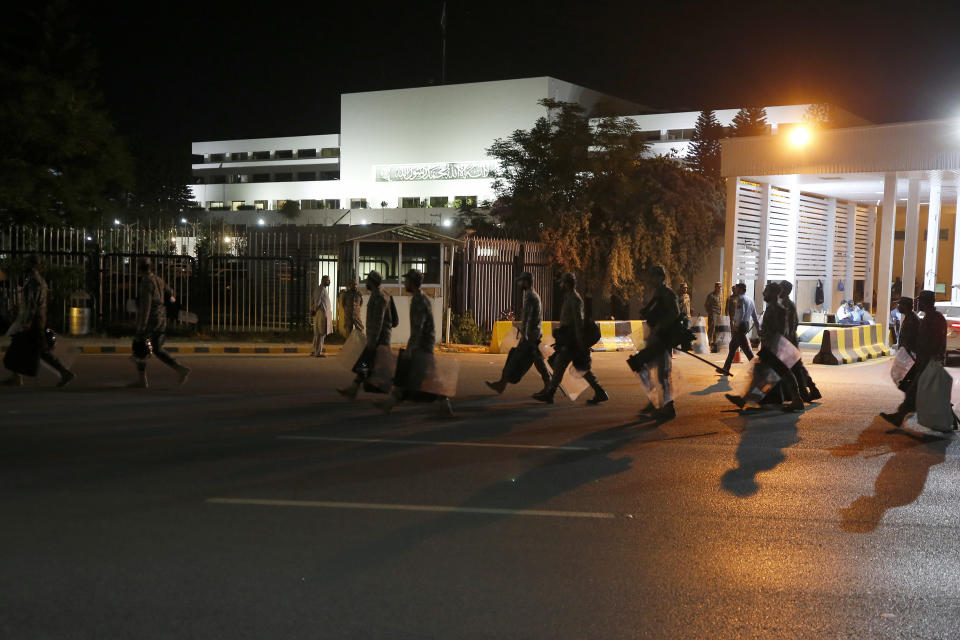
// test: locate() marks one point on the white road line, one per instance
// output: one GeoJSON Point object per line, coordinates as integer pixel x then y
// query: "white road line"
{"type": "Point", "coordinates": [441, 444]}
{"type": "Point", "coordinates": [323, 504]}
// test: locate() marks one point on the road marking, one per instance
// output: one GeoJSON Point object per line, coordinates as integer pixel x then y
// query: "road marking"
{"type": "Point", "coordinates": [441, 443]}
{"type": "Point", "coordinates": [323, 504]}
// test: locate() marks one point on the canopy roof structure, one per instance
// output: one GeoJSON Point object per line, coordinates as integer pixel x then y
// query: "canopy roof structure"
{"type": "Point", "coordinates": [822, 208]}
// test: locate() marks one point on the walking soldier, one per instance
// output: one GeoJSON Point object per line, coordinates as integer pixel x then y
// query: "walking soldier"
{"type": "Point", "coordinates": [713, 308]}
{"type": "Point", "coordinates": [379, 328]}
{"type": "Point", "coordinates": [152, 296]}
{"type": "Point", "coordinates": [527, 351]}
{"type": "Point", "coordinates": [573, 342]}
{"type": "Point", "coordinates": [351, 301]}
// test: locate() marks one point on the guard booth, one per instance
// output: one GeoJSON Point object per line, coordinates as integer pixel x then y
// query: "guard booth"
{"type": "Point", "coordinates": [394, 251]}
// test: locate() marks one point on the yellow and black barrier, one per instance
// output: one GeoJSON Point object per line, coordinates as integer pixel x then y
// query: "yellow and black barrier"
{"type": "Point", "coordinates": [614, 334]}
{"type": "Point", "coordinates": [851, 344]}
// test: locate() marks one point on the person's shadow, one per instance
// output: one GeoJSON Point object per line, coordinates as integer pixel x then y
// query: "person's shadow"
{"type": "Point", "coordinates": [765, 434]}
{"type": "Point", "coordinates": [721, 385]}
{"type": "Point", "coordinates": [903, 476]}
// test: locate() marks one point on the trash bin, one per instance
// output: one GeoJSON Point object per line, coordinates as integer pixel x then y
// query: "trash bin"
{"type": "Point", "coordinates": [80, 314]}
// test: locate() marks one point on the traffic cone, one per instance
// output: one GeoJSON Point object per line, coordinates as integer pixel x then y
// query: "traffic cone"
{"type": "Point", "coordinates": [736, 356]}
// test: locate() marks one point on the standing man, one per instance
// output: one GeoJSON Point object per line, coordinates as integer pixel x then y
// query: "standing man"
{"type": "Point", "coordinates": [684, 301]}
{"type": "Point", "coordinates": [808, 390]}
{"type": "Point", "coordinates": [713, 309]}
{"type": "Point", "coordinates": [152, 323]}
{"type": "Point", "coordinates": [418, 357]}
{"type": "Point", "coordinates": [32, 320]}
{"type": "Point", "coordinates": [379, 329]}
{"type": "Point", "coordinates": [663, 316]}
{"type": "Point", "coordinates": [772, 329]}
{"type": "Point", "coordinates": [571, 345]}
{"type": "Point", "coordinates": [322, 317]}
{"type": "Point", "coordinates": [740, 325]}
{"type": "Point", "coordinates": [351, 300]}
{"type": "Point", "coordinates": [531, 321]}
{"type": "Point", "coordinates": [929, 342]}
{"type": "Point", "coordinates": [909, 327]}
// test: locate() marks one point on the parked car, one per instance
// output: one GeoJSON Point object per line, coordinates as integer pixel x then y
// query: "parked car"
{"type": "Point", "coordinates": [952, 313]}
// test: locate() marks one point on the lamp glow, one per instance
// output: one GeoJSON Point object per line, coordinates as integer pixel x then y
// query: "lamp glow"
{"type": "Point", "coordinates": [364, 221]}
{"type": "Point", "coordinates": [447, 222]}
{"type": "Point", "coordinates": [116, 222]}
{"type": "Point", "coordinates": [799, 136]}
{"type": "Point", "coordinates": [261, 222]}
{"type": "Point", "coordinates": [227, 240]}
{"type": "Point", "coordinates": [183, 221]}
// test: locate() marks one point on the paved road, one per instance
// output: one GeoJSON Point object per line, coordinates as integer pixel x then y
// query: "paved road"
{"type": "Point", "coordinates": [255, 503]}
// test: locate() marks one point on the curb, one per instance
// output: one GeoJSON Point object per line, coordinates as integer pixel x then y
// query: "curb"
{"type": "Point", "coordinates": [214, 350]}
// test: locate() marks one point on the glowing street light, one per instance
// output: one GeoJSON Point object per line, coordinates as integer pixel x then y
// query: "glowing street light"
{"type": "Point", "coordinates": [447, 222]}
{"type": "Point", "coordinates": [799, 136]}
{"type": "Point", "coordinates": [261, 222]}
{"type": "Point", "coordinates": [116, 222]}
{"type": "Point", "coordinates": [183, 221]}
{"type": "Point", "coordinates": [227, 240]}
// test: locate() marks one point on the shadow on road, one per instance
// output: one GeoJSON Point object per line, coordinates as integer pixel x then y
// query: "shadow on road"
{"type": "Point", "coordinates": [765, 433]}
{"type": "Point", "coordinates": [903, 476]}
{"type": "Point", "coordinates": [721, 385]}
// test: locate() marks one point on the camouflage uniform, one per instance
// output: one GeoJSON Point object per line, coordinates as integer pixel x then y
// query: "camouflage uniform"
{"type": "Point", "coordinates": [33, 319]}
{"type": "Point", "coordinates": [351, 300]}
{"type": "Point", "coordinates": [152, 318]}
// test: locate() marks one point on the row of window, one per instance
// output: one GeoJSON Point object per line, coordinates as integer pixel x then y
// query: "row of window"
{"type": "Point", "coordinates": [286, 176]}
{"type": "Point", "coordinates": [280, 154]}
{"type": "Point", "coordinates": [355, 203]}
{"type": "Point", "coordinates": [674, 135]}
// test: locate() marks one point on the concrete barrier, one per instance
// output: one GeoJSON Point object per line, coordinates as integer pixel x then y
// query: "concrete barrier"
{"type": "Point", "coordinates": [723, 334]}
{"type": "Point", "coordinates": [614, 334]}
{"type": "Point", "coordinates": [851, 344]}
{"type": "Point", "coordinates": [701, 343]}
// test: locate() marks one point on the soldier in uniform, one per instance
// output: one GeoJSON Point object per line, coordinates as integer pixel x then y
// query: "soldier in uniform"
{"type": "Point", "coordinates": [152, 323]}
{"type": "Point", "coordinates": [571, 345]}
{"type": "Point", "coordinates": [683, 300]}
{"type": "Point", "coordinates": [379, 327]}
{"type": "Point", "coordinates": [322, 316]}
{"type": "Point", "coordinates": [531, 320]}
{"type": "Point", "coordinates": [773, 327]}
{"type": "Point", "coordinates": [418, 355]}
{"type": "Point", "coordinates": [808, 390]}
{"type": "Point", "coordinates": [33, 320]}
{"type": "Point", "coordinates": [713, 308]}
{"type": "Point", "coordinates": [926, 340]}
{"type": "Point", "coordinates": [663, 315]}
{"type": "Point", "coordinates": [351, 301]}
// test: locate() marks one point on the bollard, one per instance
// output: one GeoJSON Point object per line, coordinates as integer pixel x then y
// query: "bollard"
{"type": "Point", "coordinates": [701, 340]}
{"type": "Point", "coordinates": [723, 335]}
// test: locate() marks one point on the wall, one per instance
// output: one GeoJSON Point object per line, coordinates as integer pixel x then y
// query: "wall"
{"type": "Point", "coordinates": [329, 217]}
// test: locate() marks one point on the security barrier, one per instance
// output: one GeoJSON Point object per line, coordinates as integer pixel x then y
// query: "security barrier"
{"type": "Point", "coordinates": [701, 342]}
{"type": "Point", "coordinates": [614, 334]}
{"type": "Point", "coordinates": [853, 344]}
{"type": "Point", "coordinates": [723, 334]}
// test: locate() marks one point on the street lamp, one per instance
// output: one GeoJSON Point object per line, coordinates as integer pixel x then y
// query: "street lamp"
{"type": "Point", "coordinates": [800, 136]}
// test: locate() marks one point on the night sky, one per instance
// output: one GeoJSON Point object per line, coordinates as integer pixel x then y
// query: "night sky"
{"type": "Point", "coordinates": [209, 70]}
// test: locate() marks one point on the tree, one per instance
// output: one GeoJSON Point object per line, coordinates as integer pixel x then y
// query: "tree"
{"type": "Point", "coordinates": [62, 161]}
{"type": "Point", "coordinates": [290, 209]}
{"type": "Point", "coordinates": [602, 208]}
{"type": "Point", "coordinates": [161, 187]}
{"type": "Point", "coordinates": [750, 121]}
{"type": "Point", "coordinates": [704, 151]}
{"type": "Point", "coordinates": [819, 115]}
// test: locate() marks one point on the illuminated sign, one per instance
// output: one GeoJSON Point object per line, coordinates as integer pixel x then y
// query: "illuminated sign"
{"type": "Point", "coordinates": [434, 171]}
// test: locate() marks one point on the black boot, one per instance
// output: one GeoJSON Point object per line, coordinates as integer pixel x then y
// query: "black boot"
{"type": "Point", "coordinates": [599, 395]}
{"type": "Point", "coordinates": [546, 395]}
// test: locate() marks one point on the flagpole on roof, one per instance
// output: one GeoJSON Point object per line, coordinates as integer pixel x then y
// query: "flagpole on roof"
{"type": "Point", "coordinates": [443, 43]}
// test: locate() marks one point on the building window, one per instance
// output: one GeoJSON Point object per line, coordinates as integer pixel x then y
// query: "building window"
{"type": "Point", "coordinates": [330, 152]}
{"type": "Point", "coordinates": [260, 205]}
{"type": "Point", "coordinates": [236, 204]}
{"type": "Point", "coordinates": [679, 134]}
{"type": "Point", "coordinates": [239, 155]}
{"type": "Point", "coordinates": [409, 203]}
{"type": "Point", "coordinates": [218, 179]}
{"type": "Point", "coordinates": [306, 176]}
{"type": "Point", "coordinates": [464, 201]}
{"type": "Point", "coordinates": [284, 154]}
{"type": "Point", "coordinates": [308, 204]}
{"type": "Point", "coordinates": [329, 175]}
{"type": "Point", "coordinates": [649, 136]}
{"type": "Point", "coordinates": [358, 203]}
{"type": "Point", "coordinates": [306, 153]}
{"type": "Point", "coordinates": [217, 157]}
{"type": "Point", "coordinates": [261, 155]}
{"type": "Point", "coordinates": [439, 201]}
{"type": "Point", "coordinates": [215, 205]}
{"type": "Point", "coordinates": [260, 177]}
{"type": "Point", "coordinates": [283, 177]}
{"type": "Point", "coordinates": [331, 204]}
{"type": "Point", "coordinates": [196, 158]}
{"type": "Point", "coordinates": [899, 235]}
{"type": "Point", "coordinates": [425, 258]}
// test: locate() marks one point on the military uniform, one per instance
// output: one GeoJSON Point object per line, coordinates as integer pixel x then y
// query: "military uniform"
{"type": "Point", "coordinates": [379, 320]}
{"type": "Point", "coordinates": [33, 320]}
{"type": "Point", "coordinates": [531, 331]}
{"type": "Point", "coordinates": [152, 319]}
{"type": "Point", "coordinates": [713, 309]}
{"type": "Point", "coordinates": [662, 313]}
{"type": "Point", "coordinates": [352, 302]}
{"type": "Point", "coordinates": [773, 327]}
{"type": "Point", "coordinates": [930, 342]}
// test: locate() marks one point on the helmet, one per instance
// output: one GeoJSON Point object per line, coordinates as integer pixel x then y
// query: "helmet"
{"type": "Point", "coordinates": [51, 338]}
{"type": "Point", "coordinates": [141, 348]}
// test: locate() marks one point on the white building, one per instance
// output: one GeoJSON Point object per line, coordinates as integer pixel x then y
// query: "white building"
{"type": "Point", "coordinates": [404, 156]}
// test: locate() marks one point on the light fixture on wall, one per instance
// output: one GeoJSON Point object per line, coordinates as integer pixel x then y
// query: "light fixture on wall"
{"type": "Point", "coordinates": [800, 136]}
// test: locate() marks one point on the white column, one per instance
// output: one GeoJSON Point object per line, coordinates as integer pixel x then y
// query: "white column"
{"type": "Point", "coordinates": [831, 241]}
{"type": "Point", "coordinates": [885, 266]}
{"type": "Point", "coordinates": [730, 236]}
{"type": "Point", "coordinates": [764, 250]}
{"type": "Point", "coordinates": [793, 225]}
{"type": "Point", "coordinates": [869, 284]}
{"type": "Point", "coordinates": [851, 250]}
{"type": "Point", "coordinates": [955, 280]}
{"type": "Point", "coordinates": [933, 233]}
{"type": "Point", "coordinates": [911, 238]}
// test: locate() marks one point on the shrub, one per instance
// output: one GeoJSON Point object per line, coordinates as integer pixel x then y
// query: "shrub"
{"type": "Point", "coordinates": [464, 330]}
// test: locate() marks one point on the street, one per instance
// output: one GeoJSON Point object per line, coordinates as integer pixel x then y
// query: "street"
{"type": "Point", "coordinates": [255, 502]}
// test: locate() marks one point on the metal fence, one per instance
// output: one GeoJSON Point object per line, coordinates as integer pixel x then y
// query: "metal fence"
{"type": "Point", "coordinates": [484, 275]}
